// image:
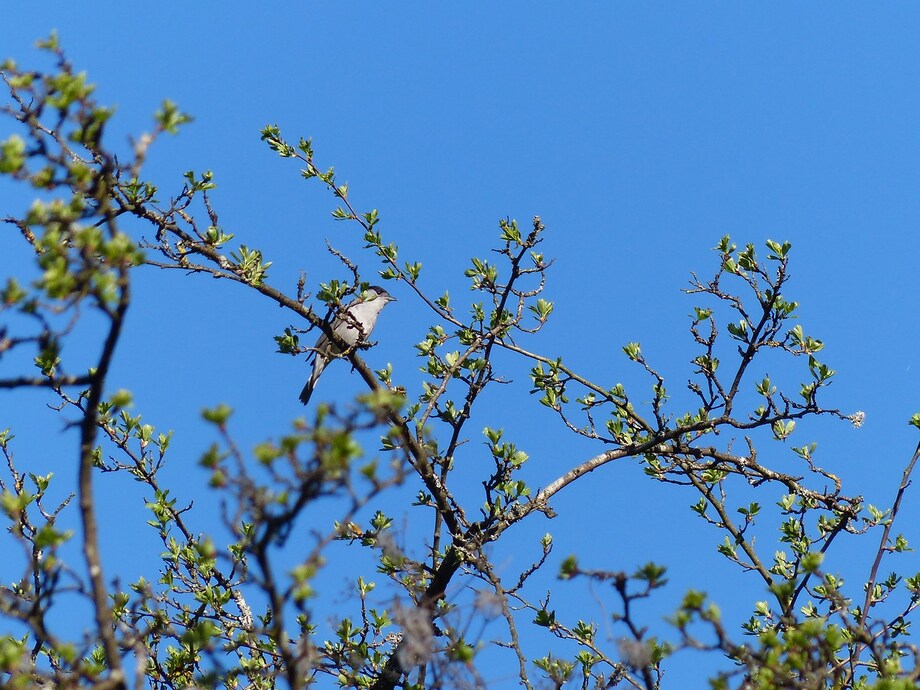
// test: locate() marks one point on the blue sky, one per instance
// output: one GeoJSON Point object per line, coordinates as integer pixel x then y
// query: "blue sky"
{"type": "Point", "coordinates": [640, 133]}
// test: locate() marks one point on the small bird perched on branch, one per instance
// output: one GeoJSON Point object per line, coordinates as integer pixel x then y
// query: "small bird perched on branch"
{"type": "Point", "coordinates": [352, 325]}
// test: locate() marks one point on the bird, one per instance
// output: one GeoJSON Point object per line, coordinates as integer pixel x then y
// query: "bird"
{"type": "Point", "coordinates": [352, 325]}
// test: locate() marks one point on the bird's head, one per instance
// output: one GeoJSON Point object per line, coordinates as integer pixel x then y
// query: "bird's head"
{"type": "Point", "coordinates": [375, 292]}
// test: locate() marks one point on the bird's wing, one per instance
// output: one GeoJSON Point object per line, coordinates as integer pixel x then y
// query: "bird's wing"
{"type": "Point", "coordinates": [321, 347]}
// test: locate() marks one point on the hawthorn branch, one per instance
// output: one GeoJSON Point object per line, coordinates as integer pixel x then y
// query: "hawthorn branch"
{"type": "Point", "coordinates": [88, 431]}
{"type": "Point", "coordinates": [883, 542]}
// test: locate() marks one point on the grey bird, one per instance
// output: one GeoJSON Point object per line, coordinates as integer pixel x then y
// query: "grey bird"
{"type": "Point", "coordinates": [352, 325]}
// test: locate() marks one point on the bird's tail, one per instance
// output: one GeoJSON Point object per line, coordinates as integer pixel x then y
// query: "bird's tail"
{"type": "Point", "coordinates": [318, 365]}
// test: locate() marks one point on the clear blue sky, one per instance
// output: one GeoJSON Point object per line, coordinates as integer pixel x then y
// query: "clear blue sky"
{"type": "Point", "coordinates": [640, 132]}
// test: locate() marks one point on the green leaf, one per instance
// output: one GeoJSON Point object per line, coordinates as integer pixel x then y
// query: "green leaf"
{"type": "Point", "coordinates": [545, 619]}
{"type": "Point", "coordinates": [542, 309]}
{"type": "Point", "coordinates": [782, 429]}
{"type": "Point", "coordinates": [51, 43]}
{"type": "Point", "coordinates": [12, 154]}
{"type": "Point", "coordinates": [217, 415]}
{"type": "Point", "coordinates": [170, 118]}
{"type": "Point", "coordinates": [812, 561]}
{"type": "Point", "coordinates": [780, 251]}
{"type": "Point", "coordinates": [633, 351]}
